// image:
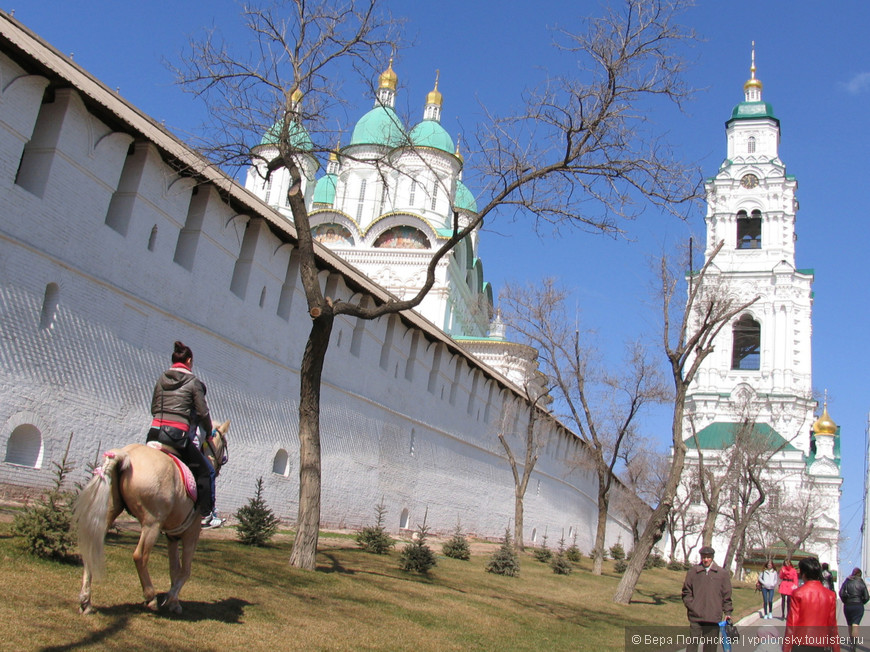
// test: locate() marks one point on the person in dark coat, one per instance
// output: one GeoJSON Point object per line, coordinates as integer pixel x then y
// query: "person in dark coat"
{"type": "Point", "coordinates": [707, 596]}
{"type": "Point", "coordinates": [177, 407]}
{"type": "Point", "coordinates": [854, 595]}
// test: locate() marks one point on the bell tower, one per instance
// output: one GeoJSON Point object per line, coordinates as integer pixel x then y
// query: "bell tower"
{"type": "Point", "coordinates": [757, 383]}
{"type": "Point", "coordinates": [765, 354]}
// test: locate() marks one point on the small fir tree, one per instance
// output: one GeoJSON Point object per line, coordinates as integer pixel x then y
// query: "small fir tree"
{"type": "Point", "coordinates": [504, 561]}
{"type": "Point", "coordinates": [45, 525]}
{"type": "Point", "coordinates": [417, 557]}
{"type": "Point", "coordinates": [560, 563]}
{"type": "Point", "coordinates": [257, 522]}
{"type": "Point", "coordinates": [457, 546]}
{"type": "Point", "coordinates": [617, 552]}
{"type": "Point", "coordinates": [620, 565]}
{"type": "Point", "coordinates": [573, 553]}
{"type": "Point", "coordinates": [544, 554]}
{"type": "Point", "coordinates": [374, 538]}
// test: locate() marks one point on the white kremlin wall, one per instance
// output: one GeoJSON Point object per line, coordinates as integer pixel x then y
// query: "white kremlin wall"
{"type": "Point", "coordinates": [115, 241]}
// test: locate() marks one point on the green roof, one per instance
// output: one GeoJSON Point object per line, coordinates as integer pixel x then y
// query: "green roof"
{"type": "Point", "coordinates": [324, 191]}
{"type": "Point", "coordinates": [380, 126]}
{"type": "Point", "coordinates": [719, 436]}
{"type": "Point", "coordinates": [463, 199]}
{"type": "Point", "coordinates": [430, 133]}
{"type": "Point", "coordinates": [753, 111]}
{"type": "Point", "coordinates": [299, 137]}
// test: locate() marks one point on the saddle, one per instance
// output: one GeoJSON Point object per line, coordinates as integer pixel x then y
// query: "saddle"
{"type": "Point", "coordinates": [186, 476]}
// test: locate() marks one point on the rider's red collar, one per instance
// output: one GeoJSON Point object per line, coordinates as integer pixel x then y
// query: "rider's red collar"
{"type": "Point", "coordinates": [180, 365]}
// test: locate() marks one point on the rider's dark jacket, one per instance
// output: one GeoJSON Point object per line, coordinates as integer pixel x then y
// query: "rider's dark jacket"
{"type": "Point", "coordinates": [179, 399]}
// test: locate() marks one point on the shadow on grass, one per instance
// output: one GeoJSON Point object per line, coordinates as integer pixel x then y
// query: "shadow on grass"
{"type": "Point", "coordinates": [96, 637]}
{"type": "Point", "coordinates": [655, 598]}
{"type": "Point", "coordinates": [334, 566]}
{"type": "Point", "coordinates": [229, 611]}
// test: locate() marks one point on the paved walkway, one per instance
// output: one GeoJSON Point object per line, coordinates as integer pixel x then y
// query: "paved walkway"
{"type": "Point", "coordinates": [754, 620]}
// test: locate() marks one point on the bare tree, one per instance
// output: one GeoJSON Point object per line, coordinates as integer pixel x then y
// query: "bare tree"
{"type": "Point", "coordinates": [642, 476]}
{"type": "Point", "coordinates": [579, 153]}
{"type": "Point", "coordinates": [710, 306]}
{"type": "Point", "coordinates": [794, 522]}
{"type": "Point", "coordinates": [531, 444]}
{"type": "Point", "coordinates": [601, 407]}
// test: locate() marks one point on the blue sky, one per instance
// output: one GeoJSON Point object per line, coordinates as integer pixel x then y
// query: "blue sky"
{"type": "Point", "coordinates": [816, 74]}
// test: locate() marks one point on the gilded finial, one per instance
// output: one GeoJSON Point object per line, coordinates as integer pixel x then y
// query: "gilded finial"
{"type": "Point", "coordinates": [752, 88]}
{"type": "Point", "coordinates": [389, 78]}
{"type": "Point", "coordinates": [434, 96]}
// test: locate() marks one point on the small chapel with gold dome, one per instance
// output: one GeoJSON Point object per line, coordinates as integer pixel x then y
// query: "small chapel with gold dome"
{"type": "Point", "coordinates": [755, 390]}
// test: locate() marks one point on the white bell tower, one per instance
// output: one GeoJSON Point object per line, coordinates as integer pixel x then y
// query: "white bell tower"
{"type": "Point", "coordinates": [760, 371]}
{"type": "Point", "coordinates": [766, 351]}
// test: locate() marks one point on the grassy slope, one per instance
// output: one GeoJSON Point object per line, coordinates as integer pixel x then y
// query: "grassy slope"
{"type": "Point", "coordinates": [241, 598]}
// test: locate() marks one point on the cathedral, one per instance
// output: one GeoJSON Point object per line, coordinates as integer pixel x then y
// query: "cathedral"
{"type": "Point", "coordinates": [755, 389]}
{"type": "Point", "coordinates": [386, 202]}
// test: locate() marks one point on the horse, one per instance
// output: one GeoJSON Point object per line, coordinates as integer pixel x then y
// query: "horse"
{"type": "Point", "coordinates": [147, 483]}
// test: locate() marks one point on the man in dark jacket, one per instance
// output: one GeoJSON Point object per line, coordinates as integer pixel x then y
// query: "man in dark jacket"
{"type": "Point", "coordinates": [707, 595]}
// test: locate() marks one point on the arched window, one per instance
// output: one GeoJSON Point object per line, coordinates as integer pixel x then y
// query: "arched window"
{"type": "Point", "coordinates": [25, 446]}
{"type": "Point", "coordinates": [281, 463]}
{"type": "Point", "coordinates": [402, 237]}
{"type": "Point", "coordinates": [404, 519]}
{"type": "Point", "coordinates": [750, 145]}
{"type": "Point", "coordinates": [746, 354]}
{"type": "Point", "coordinates": [49, 305]}
{"type": "Point", "coordinates": [749, 230]}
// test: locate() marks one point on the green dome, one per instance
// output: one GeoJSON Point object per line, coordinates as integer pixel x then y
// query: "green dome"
{"type": "Point", "coordinates": [324, 191]}
{"type": "Point", "coordinates": [430, 133]}
{"type": "Point", "coordinates": [752, 111]}
{"type": "Point", "coordinates": [464, 200]}
{"type": "Point", "coordinates": [380, 126]}
{"type": "Point", "coordinates": [299, 137]}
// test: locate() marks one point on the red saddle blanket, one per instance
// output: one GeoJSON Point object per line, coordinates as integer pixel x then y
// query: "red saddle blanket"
{"type": "Point", "coordinates": [186, 476]}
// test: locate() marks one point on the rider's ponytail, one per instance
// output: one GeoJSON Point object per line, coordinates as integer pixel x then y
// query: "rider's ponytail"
{"type": "Point", "coordinates": [181, 353]}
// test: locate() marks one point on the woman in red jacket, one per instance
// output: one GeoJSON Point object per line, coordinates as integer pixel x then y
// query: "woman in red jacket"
{"type": "Point", "coordinates": [788, 581]}
{"type": "Point", "coordinates": [812, 615]}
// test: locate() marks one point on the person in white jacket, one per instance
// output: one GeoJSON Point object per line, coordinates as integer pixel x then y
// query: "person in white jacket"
{"type": "Point", "coordinates": [767, 581]}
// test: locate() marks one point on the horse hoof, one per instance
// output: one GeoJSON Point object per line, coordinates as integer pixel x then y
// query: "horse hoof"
{"type": "Point", "coordinates": [152, 604]}
{"type": "Point", "coordinates": [87, 610]}
{"type": "Point", "coordinates": [176, 609]}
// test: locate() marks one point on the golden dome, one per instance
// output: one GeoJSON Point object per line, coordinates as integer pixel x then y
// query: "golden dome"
{"type": "Point", "coordinates": [825, 425]}
{"type": "Point", "coordinates": [434, 96]}
{"type": "Point", "coordinates": [389, 78]}
{"type": "Point", "coordinates": [296, 96]}
{"type": "Point", "coordinates": [457, 153]}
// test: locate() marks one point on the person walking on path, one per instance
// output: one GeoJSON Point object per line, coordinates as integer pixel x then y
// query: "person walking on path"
{"type": "Point", "coordinates": [707, 595]}
{"type": "Point", "coordinates": [854, 595]}
{"type": "Point", "coordinates": [767, 581]}
{"type": "Point", "coordinates": [827, 577]}
{"type": "Point", "coordinates": [812, 615]}
{"type": "Point", "coordinates": [788, 577]}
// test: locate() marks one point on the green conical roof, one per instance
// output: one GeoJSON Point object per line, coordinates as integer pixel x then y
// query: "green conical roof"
{"type": "Point", "coordinates": [463, 199]}
{"type": "Point", "coordinates": [299, 137]}
{"type": "Point", "coordinates": [430, 133]}
{"type": "Point", "coordinates": [324, 191]}
{"type": "Point", "coordinates": [753, 111]}
{"type": "Point", "coordinates": [380, 126]}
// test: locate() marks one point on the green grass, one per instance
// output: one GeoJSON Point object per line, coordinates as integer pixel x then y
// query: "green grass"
{"type": "Point", "coordinates": [242, 598]}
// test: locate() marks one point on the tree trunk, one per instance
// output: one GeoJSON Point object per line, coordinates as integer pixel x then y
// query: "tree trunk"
{"type": "Point", "coordinates": [655, 527]}
{"type": "Point", "coordinates": [710, 523]}
{"type": "Point", "coordinates": [601, 529]}
{"type": "Point", "coordinates": [519, 545]}
{"type": "Point", "coordinates": [308, 521]}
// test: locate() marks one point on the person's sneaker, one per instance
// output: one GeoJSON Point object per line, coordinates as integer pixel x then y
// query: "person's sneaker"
{"type": "Point", "coordinates": [212, 521]}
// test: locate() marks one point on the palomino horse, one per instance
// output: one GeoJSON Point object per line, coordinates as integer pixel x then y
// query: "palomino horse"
{"type": "Point", "coordinates": [148, 484]}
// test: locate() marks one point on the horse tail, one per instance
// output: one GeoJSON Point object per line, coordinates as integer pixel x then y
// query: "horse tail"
{"type": "Point", "coordinates": [92, 509]}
